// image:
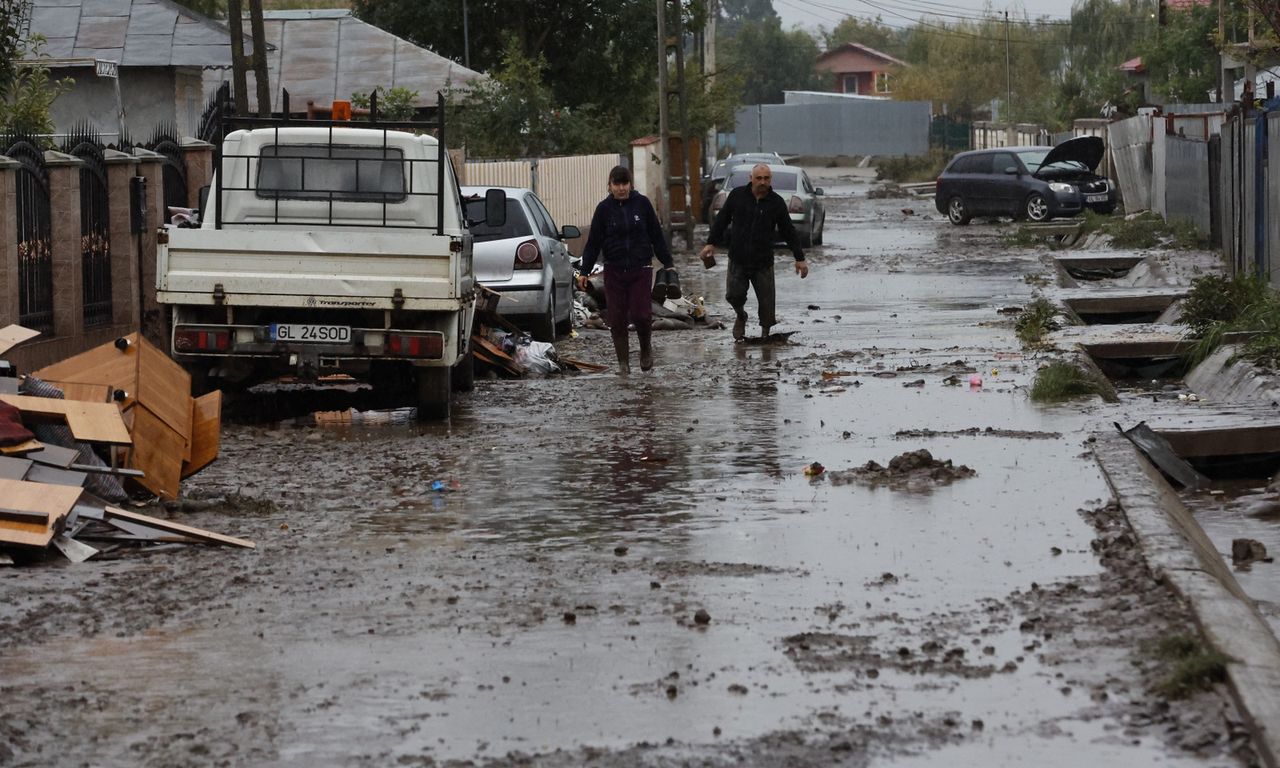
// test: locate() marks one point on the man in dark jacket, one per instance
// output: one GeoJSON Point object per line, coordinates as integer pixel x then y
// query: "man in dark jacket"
{"type": "Point", "coordinates": [752, 214]}
{"type": "Point", "coordinates": [626, 231]}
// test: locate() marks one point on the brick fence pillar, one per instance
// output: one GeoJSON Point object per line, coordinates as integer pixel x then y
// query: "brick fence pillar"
{"type": "Point", "coordinates": [152, 325]}
{"type": "Point", "coordinates": [8, 243]}
{"type": "Point", "coordinates": [68, 257]}
{"type": "Point", "coordinates": [197, 155]}
{"type": "Point", "coordinates": [126, 289]}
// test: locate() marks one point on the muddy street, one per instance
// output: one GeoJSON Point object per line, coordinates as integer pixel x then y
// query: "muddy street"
{"type": "Point", "coordinates": [650, 569]}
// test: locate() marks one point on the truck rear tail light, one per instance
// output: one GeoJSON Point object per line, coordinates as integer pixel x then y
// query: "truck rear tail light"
{"type": "Point", "coordinates": [528, 255]}
{"type": "Point", "coordinates": [797, 205]}
{"type": "Point", "coordinates": [201, 340]}
{"type": "Point", "coordinates": [423, 345]}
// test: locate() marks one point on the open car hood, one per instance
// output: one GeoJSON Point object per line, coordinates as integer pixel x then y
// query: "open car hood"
{"type": "Point", "coordinates": [1082, 149]}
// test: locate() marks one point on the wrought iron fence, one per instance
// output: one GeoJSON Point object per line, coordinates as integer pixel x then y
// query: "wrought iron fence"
{"type": "Point", "coordinates": [34, 233]}
{"type": "Point", "coordinates": [95, 224]}
{"type": "Point", "coordinates": [164, 141]}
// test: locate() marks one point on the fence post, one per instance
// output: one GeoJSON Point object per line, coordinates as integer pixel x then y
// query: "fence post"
{"type": "Point", "coordinates": [8, 243]}
{"type": "Point", "coordinates": [151, 323]}
{"type": "Point", "coordinates": [197, 155]}
{"type": "Point", "coordinates": [64, 215]}
{"type": "Point", "coordinates": [126, 299]}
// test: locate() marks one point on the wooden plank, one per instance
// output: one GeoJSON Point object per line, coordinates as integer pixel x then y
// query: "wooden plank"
{"type": "Point", "coordinates": [54, 501]}
{"type": "Point", "coordinates": [165, 389]}
{"type": "Point", "coordinates": [13, 335]}
{"type": "Point", "coordinates": [157, 451]}
{"type": "Point", "coordinates": [583, 365]}
{"type": "Point", "coordinates": [199, 534]}
{"type": "Point", "coordinates": [39, 473]}
{"type": "Point", "coordinates": [91, 422]}
{"type": "Point", "coordinates": [92, 393]}
{"type": "Point", "coordinates": [12, 468]}
{"type": "Point", "coordinates": [55, 456]}
{"type": "Point", "coordinates": [140, 532]}
{"type": "Point", "coordinates": [21, 449]}
{"type": "Point", "coordinates": [206, 432]}
{"type": "Point", "coordinates": [104, 364]}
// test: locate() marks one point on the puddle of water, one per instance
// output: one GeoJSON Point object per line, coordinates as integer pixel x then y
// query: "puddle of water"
{"type": "Point", "coordinates": [1244, 509]}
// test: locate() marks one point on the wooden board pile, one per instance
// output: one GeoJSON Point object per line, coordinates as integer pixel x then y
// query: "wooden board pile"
{"type": "Point", "coordinates": [127, 419]}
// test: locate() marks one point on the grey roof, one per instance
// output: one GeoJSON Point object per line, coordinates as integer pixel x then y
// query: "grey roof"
{"type": "Point", "coordinates": [133, 33]}
{"type": "Point", "coordinates": [322, 55]}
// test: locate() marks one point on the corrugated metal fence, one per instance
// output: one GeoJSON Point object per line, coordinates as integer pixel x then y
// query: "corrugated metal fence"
{"type": "Point", "coordinates": [1250, 196]}
{"type": "Point", "coordinates": [570, 187]}
{"type": "Point", "coordinates": [831, 130]}
{"type": "Point", "coordinates": [1130, 143]}
{"type": "Point", "coordinates": [1186, 161]}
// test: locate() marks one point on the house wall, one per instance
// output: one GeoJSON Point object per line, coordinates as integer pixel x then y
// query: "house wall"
{"type": "Point", "coordinates": [150, 95]}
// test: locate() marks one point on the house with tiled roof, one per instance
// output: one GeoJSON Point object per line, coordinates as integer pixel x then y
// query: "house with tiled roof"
{"type": "Point", "coordinates": [140, 63]}
{"type": "Point", "coordinates": [859, 69]}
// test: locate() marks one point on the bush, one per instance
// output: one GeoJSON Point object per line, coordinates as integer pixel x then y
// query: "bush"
{"type": "Point", "coordinates": [1061, 380]}
{"type": "Point", "coordinates": [1036, 320]}
{"type": "Point", "coordinates": [1193, 667]}
{"type": "Point", "coordinates": [906, 169]}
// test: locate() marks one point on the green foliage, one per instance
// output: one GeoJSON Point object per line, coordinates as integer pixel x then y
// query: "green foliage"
{"type": "Point", "coordinates": [30, 92]}
{"type": "Point", "coordinates": [907, 169]}
{"type": "Point", "coordinates": [1218, 305]}
{"type": "Point", "coordinates": [1183, 59]}
{"type": "Point", "coordinates": [736, 13]}
{"type": "Point", "coordinates": [872, 33]}
{"type": "Point", "coordinates": [769, 60]}
{"type": "Point", "coordinates": [393, 104]}
{"type": "Point", "coordinates": [1036, 320]}
{"type": "Point", "coordinates": [1061, 380]}
{"type": "Point", "coordinates": [13, 14]}
{"type": "Point", "coordinates": [1191, 666]}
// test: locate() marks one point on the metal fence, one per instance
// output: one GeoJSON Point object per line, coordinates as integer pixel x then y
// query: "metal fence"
{"type": "Point", "coordinates": [164, 142]}
{"type": "Point", "coordinates": [1250, 196]}
{"type": "Point", "coordinates": [35, 235]}
{"type": "Point", "coordinates": [830, 130]}
{"type": "Point", "coordinates": [570, 187]}
{"type": "Point", "coordinates": [95, 225]}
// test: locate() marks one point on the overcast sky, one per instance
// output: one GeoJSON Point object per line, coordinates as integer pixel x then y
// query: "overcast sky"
{"type": "Point", "coordinates": [901, 13]}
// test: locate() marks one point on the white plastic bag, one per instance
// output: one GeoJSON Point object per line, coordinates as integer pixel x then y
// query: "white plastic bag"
{"type": "Point", "coordinates": [536, 357]}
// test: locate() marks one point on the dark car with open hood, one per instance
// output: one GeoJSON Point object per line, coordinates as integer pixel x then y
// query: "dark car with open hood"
{"type": "Point", "coordinates": [1032, 183]}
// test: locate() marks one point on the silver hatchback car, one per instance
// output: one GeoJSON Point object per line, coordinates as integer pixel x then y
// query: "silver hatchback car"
{"type": "Point", "coordinates": [804, 201]}
{"type": "Point", "coordinates": [526, 260]}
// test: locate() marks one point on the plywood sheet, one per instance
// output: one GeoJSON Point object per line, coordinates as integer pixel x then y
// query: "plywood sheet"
{"type": "Point", "coordinates": [91, 422]}
{"type": "Point", "coordinates": [21, 449]}
{"type": "Point", "coordinates": [53, 501]}
{"type": "Point", "coordinates": [206, 432]}
{"type": "Point", "coordinates": [184, 530]}
{"type": "Point", "coordinates": [91, 393]}
{"type": "Point", "coordinates": [164, 388]}
{"type": "Point", "coordinates": [13, 335]}
{"type": "Point", "coordinates": [104, 364]}
{"type": "Point", "coordinates": [157, 451]}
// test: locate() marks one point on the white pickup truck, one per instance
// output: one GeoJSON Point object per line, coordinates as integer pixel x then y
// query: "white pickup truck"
{"type": "Point", "coordinates": [326, 249]}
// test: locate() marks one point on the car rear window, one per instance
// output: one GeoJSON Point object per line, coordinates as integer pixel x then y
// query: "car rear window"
{"type": "Point", "coordinates": [783, 181]}
{"type": "Point", "coordinates": [517, 224]}
{"type": "Point", "coordinates": [327, 172]}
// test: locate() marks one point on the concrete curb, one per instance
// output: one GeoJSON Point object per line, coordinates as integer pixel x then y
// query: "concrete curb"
{"type": "Point", "coordinates": [1177, 549]}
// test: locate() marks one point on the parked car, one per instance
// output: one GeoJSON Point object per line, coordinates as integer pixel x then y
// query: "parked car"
{"type": "Point", "coordinates": [526, 260]}
{"type": "Point", "coordinates": [1033, 183]}
{"type": "Point", "coordinates": [712, 182]}
{"type": "Point", "coordinates": [804, 201]}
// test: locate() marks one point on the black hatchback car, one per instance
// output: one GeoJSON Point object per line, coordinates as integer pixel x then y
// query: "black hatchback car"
{"type": "Point", "coordinates": [1033, 183]}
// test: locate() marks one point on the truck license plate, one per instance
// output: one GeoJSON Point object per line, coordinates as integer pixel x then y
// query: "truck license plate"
{"type": "Point", "coordinates": [327, 334]}
{"type": "Point", "coordinates": [1095, 198]}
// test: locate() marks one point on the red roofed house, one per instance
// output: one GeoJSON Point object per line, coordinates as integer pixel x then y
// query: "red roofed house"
{"type": "Point", "coordinates": [855, 68]}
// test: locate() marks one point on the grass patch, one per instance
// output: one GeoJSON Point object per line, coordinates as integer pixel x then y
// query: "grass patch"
{"type": "Point", "coordinates": [1192, 666]}
{"type": "Point", "coordinates": [1060, 381]}
{"type": "Point", "coordinates": [1218, 305]}
{"type": "Point", "coordinates": [908, 169]}
{"type": "Point", "coordinates": [1146, 230]}
{"type": "Point", "coordinates": [1036, 320]}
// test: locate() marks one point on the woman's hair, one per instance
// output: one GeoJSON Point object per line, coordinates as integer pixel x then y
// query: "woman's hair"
{"type": "Point", "coordinates": [620, 175]}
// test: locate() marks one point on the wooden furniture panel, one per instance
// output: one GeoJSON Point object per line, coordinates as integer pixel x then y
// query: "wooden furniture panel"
{"type": "Point", "coordinates": [206, 432]}
{"type": "Point", "coordinates": [13, 335]}
{"type": "Point", "coordinates": [92, 422]}
{"type": "Point", "coordinates": [157, 451]}
{"type": "Point", "coordinates": [104, 364]}
{"type": "Point", "coordinates": [53, 501]}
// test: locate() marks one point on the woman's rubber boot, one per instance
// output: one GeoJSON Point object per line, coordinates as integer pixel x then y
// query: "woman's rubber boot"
{"type": "Point", "coordinates": [622, 348]}
{"type": "Point", "coordinates": [646, 348]}
{"type": "Point", "coordinates": [659, 293]}
{"type": "Point", "coordinates": [673, 284]}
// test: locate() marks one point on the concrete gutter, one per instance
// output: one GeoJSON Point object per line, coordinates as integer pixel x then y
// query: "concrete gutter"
{"type": "Point", "coordinates": [1178, 550]}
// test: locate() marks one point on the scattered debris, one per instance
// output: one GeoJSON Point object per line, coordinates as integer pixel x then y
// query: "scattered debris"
{"type": "Point", "coordinates": [814, 469]}
{"type": "Point", "coordinates": [1247, 551]}
{"type": "Point", "coordinates": [907, 469]}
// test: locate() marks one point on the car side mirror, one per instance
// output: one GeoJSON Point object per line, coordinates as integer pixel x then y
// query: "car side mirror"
{"type": "Point", "coordinates": [570, 232]}
{"type": "Point", "coordinates": [818, 191]}
{"type": "Point", "coordinates": [495, 208]}
{"type": "Point", "coordinates": [1012, 170]}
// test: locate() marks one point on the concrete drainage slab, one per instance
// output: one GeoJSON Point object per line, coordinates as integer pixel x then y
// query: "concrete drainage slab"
{"type": "Point", "coordinates": [1117, 307]}
{"type": "Point", "coordinates": [1092, 267]}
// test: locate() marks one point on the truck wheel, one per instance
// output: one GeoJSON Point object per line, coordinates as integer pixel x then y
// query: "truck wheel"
{"type": "Point", "coordinates": [464, 373]}
{"type": "Point", "coordinates": [199, 379]}
{"type": "Point", "coordinates": [433, 393]}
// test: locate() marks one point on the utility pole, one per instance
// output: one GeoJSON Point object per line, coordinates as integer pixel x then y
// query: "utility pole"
{"type": "Point", "coordinates": [708, 71]}
{"type": "Point", "coordinates": [676, 176]}
{"type": "Point", "coordinates": [664, 132]}
{"type": "Point", "coordinates": [466, 38]}
{"type": "Point", "coordinates": [239, 80]}
{"type": "Point", "coordinates": [260, 58]}
{"type": "Point", "coordinates": [1008, 80]}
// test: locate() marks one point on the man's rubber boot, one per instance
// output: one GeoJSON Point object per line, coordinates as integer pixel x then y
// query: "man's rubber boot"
{"type": "Point", "coordinates": [622, 348]}
{"type": "Point", "coordinates": [646, 348]}
{"type": "Point", "coordinates": [673, 284]}
{"type": "Point", "coordinates": [740, 328]}
{"type": "Point", "coordinates": [659, 293]}
{"type": "Point", "coordinates": [764, 331]}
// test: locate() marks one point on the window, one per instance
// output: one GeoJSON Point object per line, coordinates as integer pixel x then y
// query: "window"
{"type": "Point", "coordinates": [542, 216]}
{"type": "Point", "coordinates": [849, 84]}
{"type": "Point", "coordinates": [882, 82]}
{"type": "Point", "coordinates": [517, 224]}
{"type": "Point", "coordinates": [1002, 161]}
{"type": "Point", "coordinates": [325, 172]}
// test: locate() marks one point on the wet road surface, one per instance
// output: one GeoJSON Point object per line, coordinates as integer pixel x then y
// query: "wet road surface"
{"type": "Point", "coordinates": [546, 612]}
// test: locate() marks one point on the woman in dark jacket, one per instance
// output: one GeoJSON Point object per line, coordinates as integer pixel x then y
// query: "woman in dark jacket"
{"type": "Point", "coordinates": [625, 230]}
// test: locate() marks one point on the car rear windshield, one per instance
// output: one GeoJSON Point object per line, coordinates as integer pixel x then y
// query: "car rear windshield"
{"type": "Point", "coordinates": [326, 172]}
{"type": "Point", "coordinates": [517, 224]}
{"type": "Point", "coordinates": [783, 181]}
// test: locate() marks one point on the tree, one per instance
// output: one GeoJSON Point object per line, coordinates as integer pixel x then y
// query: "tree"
{"type": "Point", "coordinates": [1182, 61]}
{"type": "Point", "coordinates": [769, 60]}
{"type": "Point", "coordinates": [872, 33]}
{"type": "Point", "coordinates": [26, 90]}
{"type": "Point", "coordinates": [734, 14]}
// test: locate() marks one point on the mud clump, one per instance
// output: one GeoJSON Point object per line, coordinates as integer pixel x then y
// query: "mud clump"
{"type": "Point", "coordinates": [913, 468]}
